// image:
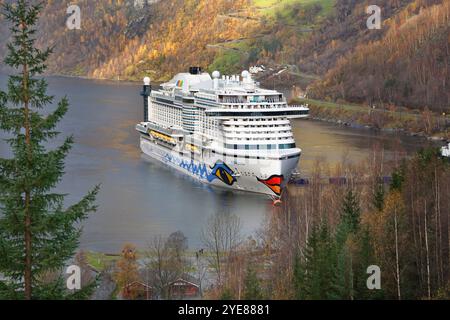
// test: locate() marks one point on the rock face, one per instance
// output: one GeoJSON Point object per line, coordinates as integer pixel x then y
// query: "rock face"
{"type": "Point", "coordinates": [140, 15]}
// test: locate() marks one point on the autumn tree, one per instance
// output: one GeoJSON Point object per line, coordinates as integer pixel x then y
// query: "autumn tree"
{"type": "Point", "coordinates": [127, 271]}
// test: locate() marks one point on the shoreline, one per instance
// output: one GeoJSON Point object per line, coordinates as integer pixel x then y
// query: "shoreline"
{"type": "Point", "coordinates": [341, 123]}
{"type": "Point", "coordinates": [328, 118]}
{"type": "Point", "coordinates": [359, 117]}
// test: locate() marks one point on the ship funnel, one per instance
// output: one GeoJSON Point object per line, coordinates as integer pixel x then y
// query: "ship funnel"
{"type": "Point", "coordinates": [195, 70]}
{"type": "Point", "coordinates": [145, 93]}
{"type": "Point", "coordinates": [216, 76]}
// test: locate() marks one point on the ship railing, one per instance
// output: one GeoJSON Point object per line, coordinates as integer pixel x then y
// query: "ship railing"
{"type": "Point", "coordinates": [241, 101]}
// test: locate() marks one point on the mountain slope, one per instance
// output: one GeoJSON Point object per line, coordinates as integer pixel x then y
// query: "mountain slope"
{"type": "Point", "coordinates": [127, 38]}
{"type": "Point", "coordinates": [323, 44]}
{"type": "Point", "coordinates": [408, 66]}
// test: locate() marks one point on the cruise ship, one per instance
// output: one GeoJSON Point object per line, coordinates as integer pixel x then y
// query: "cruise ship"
{"type": "Point", "coordinates": [222, 130]}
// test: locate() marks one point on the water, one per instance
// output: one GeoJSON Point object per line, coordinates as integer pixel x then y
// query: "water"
{"type": "Point", "coordinates": [141, 199]}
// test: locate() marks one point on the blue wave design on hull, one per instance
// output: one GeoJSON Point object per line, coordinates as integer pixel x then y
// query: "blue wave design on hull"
{"type": "Point", "coordinates": [219, 171]}
{"type": "Point", "coordinates": [199, 170]}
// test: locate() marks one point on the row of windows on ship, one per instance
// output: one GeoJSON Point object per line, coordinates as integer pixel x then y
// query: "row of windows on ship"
{"type": "Point", "coordinates": [253, 99]}
{"type": "Point", "coordinates": [282, 146]}
{"type": "Point", "coordinates": [257, 119]}
{"type": "Point", "coordinates": [263, 139]}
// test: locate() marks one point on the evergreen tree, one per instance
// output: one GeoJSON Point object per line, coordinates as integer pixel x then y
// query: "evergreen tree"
{"type": "Point", "coordinates": [252, 287]}
{"type": "Point", "coordinates": [299, 278]}
{"type": "Point", "coordinates": [365, 257]}
{"type": "Point", "coordinates": [346, 244]}
{"type": "Point", "coordinates": [38, 234]}
{"type": "Point", "coordinates": [398, 178]}
{"type": "Point", "coordinates": [351, 212]}
{"type": "Point", "coordinates": [315, 271]}
{"type": "Point", "coordinates": [226, 294]}
{"type": "Point", "coordinates": [378, 197]}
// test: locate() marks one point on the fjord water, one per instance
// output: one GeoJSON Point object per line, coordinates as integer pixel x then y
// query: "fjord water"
{"type": "Point", "coordinates": [140, 199]}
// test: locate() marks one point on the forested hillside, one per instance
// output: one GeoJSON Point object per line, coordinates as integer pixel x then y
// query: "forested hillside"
{"type": "Point", "coordinates": [176, 38]}
{"type": "Point", "coordinates": [324, 45]}
{"type": "Point", "coordinates": [408, 66]}
{"type": "Point", "coordinates": [126, 39]}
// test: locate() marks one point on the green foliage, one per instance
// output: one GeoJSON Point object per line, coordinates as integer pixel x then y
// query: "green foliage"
{"type": "Point", "coordinates": [35, 228]}
{"type": "Point", "coordinates": [228, 62]}
{"type": "Point", "coordinates": [378, 197]}
{"type": "Point", "coordinates": [345, 233]}
{"type": "Point", "coordinates": [427, 156]}
{"type": "Point", "coordinates": [315, 270]}
{"type": "Point", "coordinates": [226, 294]}
{"type": "Point", "coordinates": [334, 265]}
{"type": "Point", "coordinates": [351, 211]}
{"type": "Point", "coordinates": [398, 178]}
{"type": "Point", "coordinates": [252, 287]}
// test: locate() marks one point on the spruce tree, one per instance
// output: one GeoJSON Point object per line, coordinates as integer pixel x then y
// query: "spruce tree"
{"type": "Point", "coordinates": [315, 271]}
{"type": "Point", "coordinates": [252, 287]}
{"type": "Point", "coordinates": [299, 274]}
{"type": "Point", "coordinates": [346, 241]}
{"type": "Point", "coordinates": [38, 235]}
{"type": "Point", "coordinates": [351, 211]}
{"type": "Point", "coordinates": [378, 197]}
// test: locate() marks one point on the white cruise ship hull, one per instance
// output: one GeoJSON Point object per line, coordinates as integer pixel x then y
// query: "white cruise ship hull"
{"type": "Point", "coordinates": [223, 132]}
{"type": "Point", "coordinates": [268, 177]}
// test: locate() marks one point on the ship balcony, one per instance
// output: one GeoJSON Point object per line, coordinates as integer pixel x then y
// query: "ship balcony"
{"type": "Point", "coordinates": [275, 135]}
{"type": "Point", "coordinates": [290, 112]}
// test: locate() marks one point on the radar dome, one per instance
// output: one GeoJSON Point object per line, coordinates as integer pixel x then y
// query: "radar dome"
{"type": "Point", "coordinates": [147, 81]}
{"type": "Point", "coordinates": [245, 74]}
{"type": "Point", "coordinates": [216, 74]}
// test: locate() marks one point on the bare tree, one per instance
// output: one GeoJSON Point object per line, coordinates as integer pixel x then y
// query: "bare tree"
{"type": "Point", "coordinates": [166, 261]}
{"type": "Point", "coordinates": [201, 267]}
{"type": "Point", "coordinates": [221, 237]}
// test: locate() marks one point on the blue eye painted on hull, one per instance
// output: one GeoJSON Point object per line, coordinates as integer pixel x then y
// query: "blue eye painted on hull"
{"type": "Point", "coordinates": [222, 172]}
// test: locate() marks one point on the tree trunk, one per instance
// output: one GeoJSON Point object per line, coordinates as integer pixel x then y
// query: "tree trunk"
{"type": "Point", "coordinates": [27, 229]}
{"type": "Point", "coordinates": [428, 255]}
{"type": "Point", "coordinates": [397, 263]}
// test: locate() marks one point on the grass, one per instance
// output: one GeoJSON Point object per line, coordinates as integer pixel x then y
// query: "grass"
{"type": "Point", "coordinates": [100, 260]}
{"type": "Point", "coordinates": [270, 7]}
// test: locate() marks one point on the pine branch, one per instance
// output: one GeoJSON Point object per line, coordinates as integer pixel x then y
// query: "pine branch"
{"type": "Point", "coordinates": [37, 235]}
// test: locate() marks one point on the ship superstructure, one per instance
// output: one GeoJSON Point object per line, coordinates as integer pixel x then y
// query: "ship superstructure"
{"type": "Point", "coordinates": [222, 130]}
